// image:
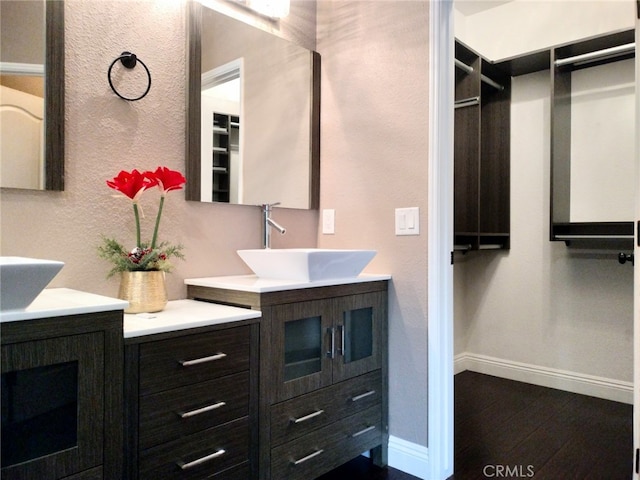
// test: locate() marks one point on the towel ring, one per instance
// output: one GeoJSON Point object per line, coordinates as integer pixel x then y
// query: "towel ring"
{"type": "Point", "coordinates": [129, 60]}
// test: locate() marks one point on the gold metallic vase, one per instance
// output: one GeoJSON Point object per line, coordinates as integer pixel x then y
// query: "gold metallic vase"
{"type": "Point", "coordinates": [145, 291]}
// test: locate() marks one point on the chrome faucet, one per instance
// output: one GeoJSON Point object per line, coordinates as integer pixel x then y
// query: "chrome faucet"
{"type": "Point", "coordinates": [268, 222]}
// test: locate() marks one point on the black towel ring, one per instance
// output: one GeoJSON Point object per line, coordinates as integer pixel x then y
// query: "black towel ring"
{"type": "Point", "coordinates": [129, 60]}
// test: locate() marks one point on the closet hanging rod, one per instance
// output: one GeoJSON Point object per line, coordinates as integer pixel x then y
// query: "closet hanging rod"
{"type": "Point", "coordinates": [491, 246]}
{"type": "Point", "coordinates": [463, 66]}
{"type": "Point", "coordinates": [488, 81]}
{"type": "Point", "coordinates": [467, 102]}
{"type": "Point", "coordinates": [597, 55]}
{"type": "Point", "coordinates": [593, 237]}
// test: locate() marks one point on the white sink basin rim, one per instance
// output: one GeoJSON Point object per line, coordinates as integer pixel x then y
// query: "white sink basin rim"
{"type": "Point", "coordinates": [22, 279]}
{"type": "Point", "coordinates": [306, 264]}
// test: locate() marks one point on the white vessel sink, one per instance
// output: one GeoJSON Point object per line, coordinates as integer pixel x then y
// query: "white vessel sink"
{"type": "Point", "coordinates": [22, 279]}
{"type": "Point", "coordinates": [306, 264]}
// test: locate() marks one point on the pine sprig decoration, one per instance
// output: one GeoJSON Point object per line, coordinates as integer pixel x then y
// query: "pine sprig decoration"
{"type": "Point", "coordinates": [140, 259]}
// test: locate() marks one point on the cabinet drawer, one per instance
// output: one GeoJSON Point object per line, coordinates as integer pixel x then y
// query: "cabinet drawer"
{"type": "Point", "coordinates": [327, 448]}
{"type": "Point", "coordinates": [303, 414]}
{"type": "Point", "coordinates": [165, 416]}
{"type": "Point", "coordinates": [192, 359]}
{"type": "Point", "coordinates": [200, 455]}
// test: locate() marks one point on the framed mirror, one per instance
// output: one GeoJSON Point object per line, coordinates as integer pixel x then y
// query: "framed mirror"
{"type": "Point", "coordinates": [32, 94]}
{"type": "Point", "coordinates": [253, 111]}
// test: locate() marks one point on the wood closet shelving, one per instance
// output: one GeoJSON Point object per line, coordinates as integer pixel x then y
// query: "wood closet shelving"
{"type": "Point", "coordinates": [481, 153]}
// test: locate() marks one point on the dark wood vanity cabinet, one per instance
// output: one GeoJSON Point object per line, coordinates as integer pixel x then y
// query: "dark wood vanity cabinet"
{"type": "Point", "coordinates": [191, 406]}
{"type": "Point", "coordinates": [62, 397]}
{"type": "Point", "coordinates": [323, 379]}
{"type": "Point", "coordinates": [481, 153]}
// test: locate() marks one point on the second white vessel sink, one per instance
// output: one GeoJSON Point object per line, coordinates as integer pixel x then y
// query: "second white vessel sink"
{"type": "Point", "coordinates": [306, 264]}
{"type": "Point", "coordinates": [22, 279]}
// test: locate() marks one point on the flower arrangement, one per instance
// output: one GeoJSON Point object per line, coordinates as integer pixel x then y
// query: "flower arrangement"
{"type": "Point", "coordinates": [145, 256]}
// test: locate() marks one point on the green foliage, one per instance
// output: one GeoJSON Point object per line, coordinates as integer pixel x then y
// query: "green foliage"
{"type": "Point", "coordinates": [142, 258]}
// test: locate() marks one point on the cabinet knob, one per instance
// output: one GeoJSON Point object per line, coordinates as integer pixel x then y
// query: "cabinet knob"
{"type": "Point", "coordinates": [625, 257]}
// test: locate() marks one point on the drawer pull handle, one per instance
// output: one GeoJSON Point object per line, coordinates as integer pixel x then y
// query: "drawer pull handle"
{"type": "Point", "coordinates": [212, 358]}
{"type": "Point", "coordinates": [364, 395]}
{"type": "Point", "coordinates": [200, 461]}
{"type": "Point", "coordinates": [308, 457]}
{"type": "Point", "coordinates": [307, 417]}
{"type": "Point", "coordinates": [198, 411]}
{"type": "Point", "coordinates": [362, 432]}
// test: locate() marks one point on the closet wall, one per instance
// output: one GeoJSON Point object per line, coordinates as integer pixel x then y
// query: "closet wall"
{"type": "Point", "coordinates": [543, 312]}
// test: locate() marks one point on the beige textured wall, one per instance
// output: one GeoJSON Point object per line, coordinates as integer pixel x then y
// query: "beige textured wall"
{"type": "Point", "coordinates": [374, 159]}
{"type": "Point", "coordinates": [105, 134]}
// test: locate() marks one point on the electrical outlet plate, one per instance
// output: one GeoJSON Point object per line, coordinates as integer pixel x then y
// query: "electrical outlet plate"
{"type": "Point", "coordinates": [328, 221]}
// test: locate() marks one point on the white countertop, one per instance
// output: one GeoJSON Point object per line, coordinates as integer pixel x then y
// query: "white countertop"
{"type": "Point", "coordinates": [183, 314]}
{"type": "Point", "coordinates": [58, 302]}
{"type": "Point", "coordinates": [252, 283]}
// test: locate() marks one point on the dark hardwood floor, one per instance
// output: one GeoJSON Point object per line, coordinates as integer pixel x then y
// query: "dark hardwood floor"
{"type": "Point", "coordinates": [362, 469]}
{"type": "Point", "coordinates": [538, 432]}
{"type": "Point", "coordinates": [507, 429]}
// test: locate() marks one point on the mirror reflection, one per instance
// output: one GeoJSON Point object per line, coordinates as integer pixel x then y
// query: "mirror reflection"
{"type": "Point", "coordinates": [258, 117]}
{"type": "Point", "coordinates": [22, 49]}
{"type": "Point", "coordinates": [31, 102]}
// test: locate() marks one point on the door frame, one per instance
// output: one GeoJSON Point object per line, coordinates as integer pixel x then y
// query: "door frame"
{"type": "Point", "coordinates": [636, 274]}
{"type": "Point", "coordinates": [440, 242]}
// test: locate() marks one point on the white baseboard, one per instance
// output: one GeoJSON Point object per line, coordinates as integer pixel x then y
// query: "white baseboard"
{"type": "Point", "coordinates": [591, 385]}
{"type": "Point", "coordinates": [408, 457]}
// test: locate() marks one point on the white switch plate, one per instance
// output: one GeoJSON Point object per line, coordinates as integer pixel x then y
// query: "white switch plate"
{"type": "Point", "coordinates": [328, 221]}
{"type": "Point", "coordinates": [408, 221]}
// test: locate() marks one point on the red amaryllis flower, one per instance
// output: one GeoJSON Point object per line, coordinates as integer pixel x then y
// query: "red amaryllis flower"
{"type": "Point", "coordinates": [133, 183]}
{"type": "Point", "coordinates": [168, 179]}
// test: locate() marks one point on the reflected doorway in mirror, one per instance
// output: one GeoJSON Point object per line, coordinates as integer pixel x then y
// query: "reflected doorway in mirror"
{"type": "Point", "coordinates": [221, 152]}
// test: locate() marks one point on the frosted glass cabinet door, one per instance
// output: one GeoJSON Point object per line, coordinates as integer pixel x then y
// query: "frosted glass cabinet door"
{"type": "Point", "coordinates": [301, 342]}
{"type": "Point", "coordinates": [358, 331]}
{"type": "Point", "coordinates": [321, 342]}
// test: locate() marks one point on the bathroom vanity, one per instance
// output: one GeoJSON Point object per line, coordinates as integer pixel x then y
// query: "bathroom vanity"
{"type": "Point", "coordinates": [62, 387]}
{"type": "Point", "coordinates": [191, 392]}
{"type": "Point", "coordinates": [323, 369]}
{"type": "Point", "coordinates": [249, 378]}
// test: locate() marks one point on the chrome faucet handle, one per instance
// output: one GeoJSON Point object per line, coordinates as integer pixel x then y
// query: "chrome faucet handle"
{"type": "Point", "coordinates": [268, 222]}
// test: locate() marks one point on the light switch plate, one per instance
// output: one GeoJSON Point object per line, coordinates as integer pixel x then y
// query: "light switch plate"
{"type": "Point", "coordinates": [408, 221]}
{"type": "Point", "coordinates": [328, 221]}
